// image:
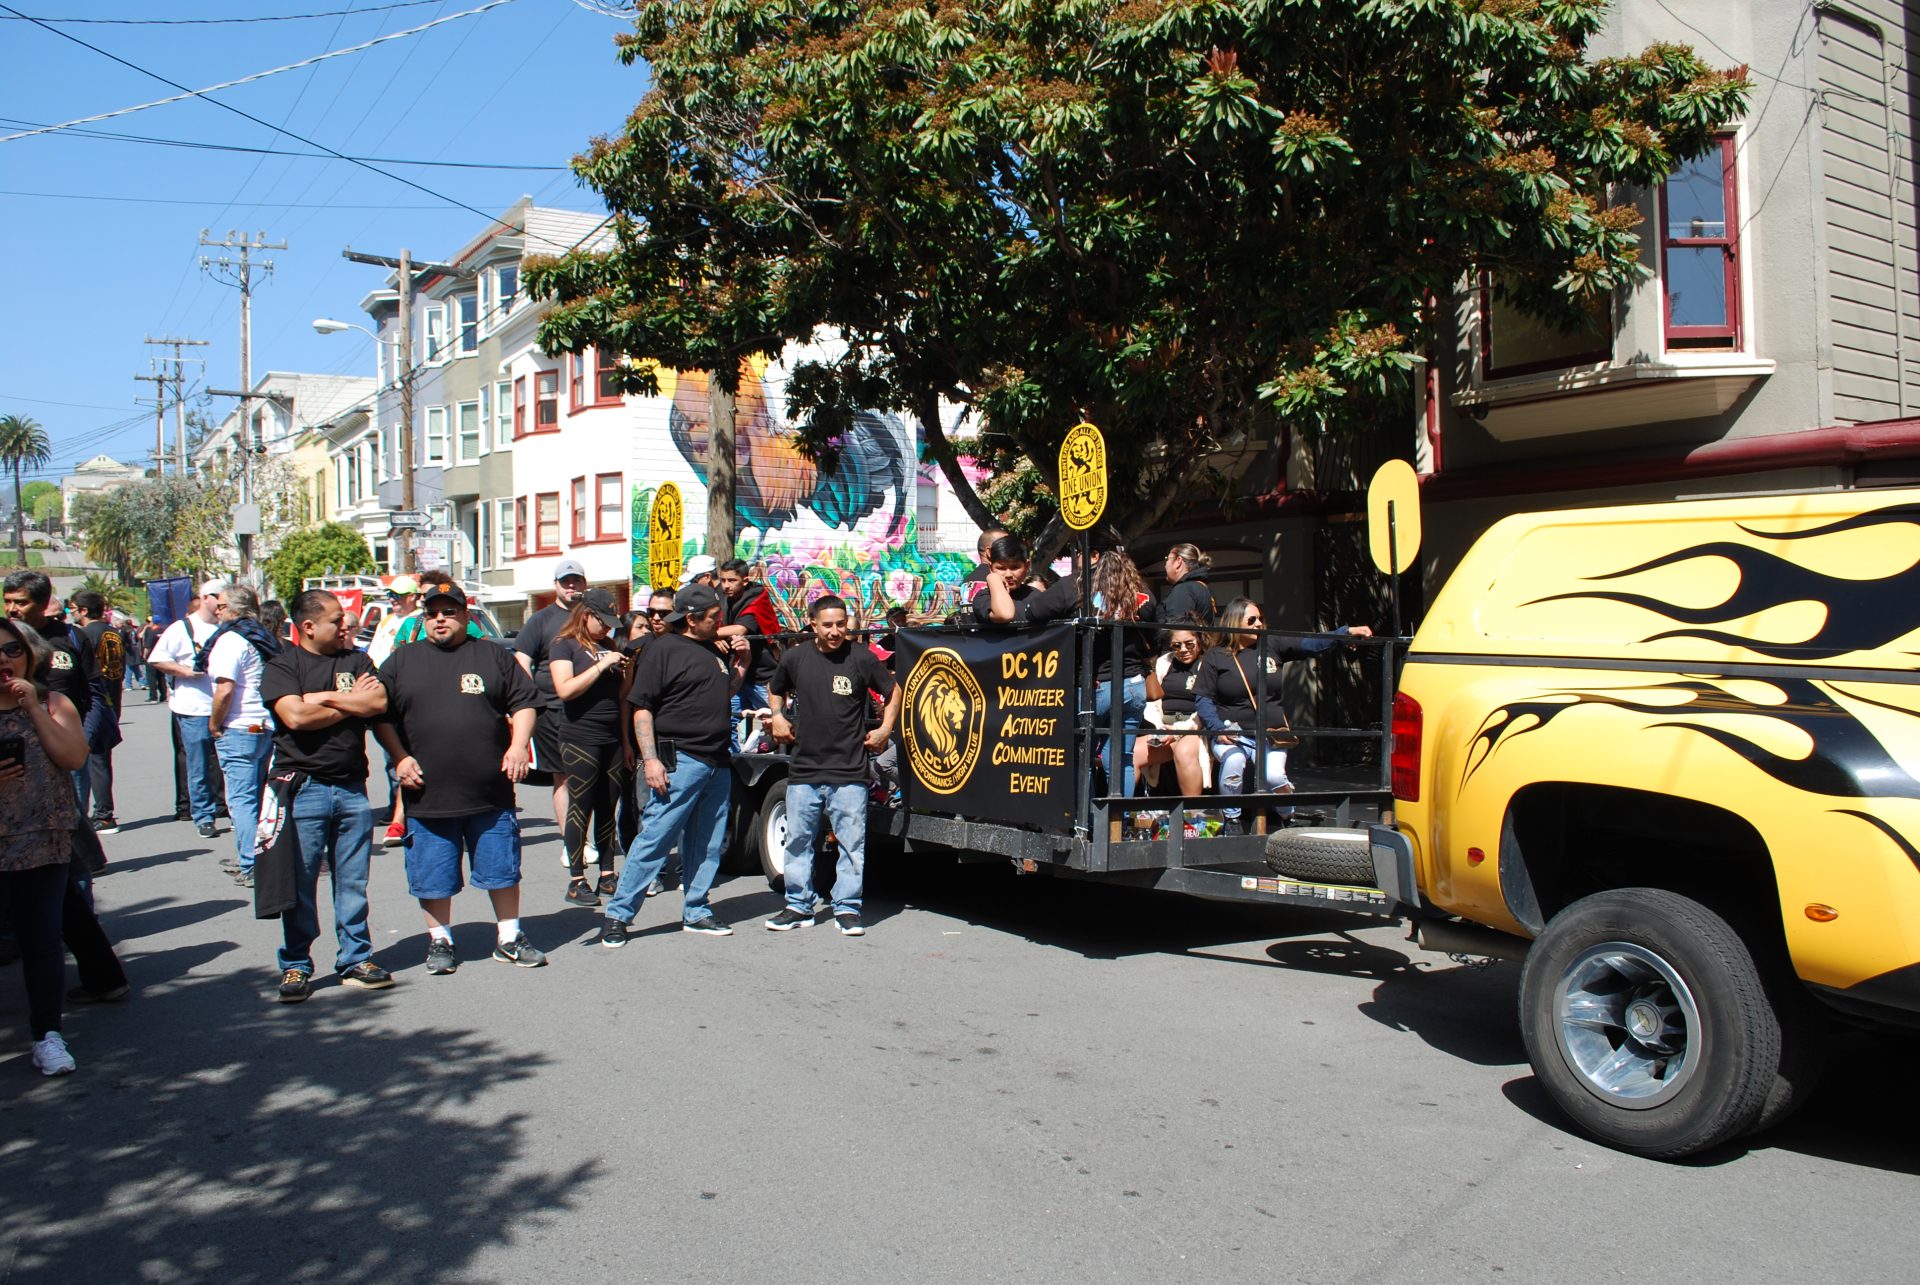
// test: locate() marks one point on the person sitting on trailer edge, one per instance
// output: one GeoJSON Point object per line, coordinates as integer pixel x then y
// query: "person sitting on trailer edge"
{"type": "Point", "coordinates": [1009, 599]}
{"type": "Point", "coordinates": [820, 695]}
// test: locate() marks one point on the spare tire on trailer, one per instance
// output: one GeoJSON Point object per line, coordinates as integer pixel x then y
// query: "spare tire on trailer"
{"type": "Point", "coordinates": [1322, 856]}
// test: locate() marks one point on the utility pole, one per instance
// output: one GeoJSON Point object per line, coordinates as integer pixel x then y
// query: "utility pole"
{"type": "Point", "coordinates": [405, 269]}
{"type": "Point", "coordinates": [179, 399]}
{"type": "Point", "coordinates": [159, 420]}
{"type": "Point", "coordinates": [239, 273]}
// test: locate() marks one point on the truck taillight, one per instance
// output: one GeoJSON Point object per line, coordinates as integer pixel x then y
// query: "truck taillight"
{"type": "Point", "coordinates": [1406, 748]}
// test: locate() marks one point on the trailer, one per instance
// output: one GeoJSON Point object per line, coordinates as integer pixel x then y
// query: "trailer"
{"type": "Point", "coordinates": [998, 754]}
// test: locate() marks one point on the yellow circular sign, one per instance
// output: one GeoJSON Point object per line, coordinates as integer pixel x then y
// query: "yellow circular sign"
{"type": "Point", "coordinates": [1083, 476]}
{"type": "Point", "coordinates": [943, 716]}
{"type": "Point", "coordinates": [664, 537]}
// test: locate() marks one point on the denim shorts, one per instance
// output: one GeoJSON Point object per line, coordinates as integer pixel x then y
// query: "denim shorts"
{"type": "Point", "coordinates": [489, 840]}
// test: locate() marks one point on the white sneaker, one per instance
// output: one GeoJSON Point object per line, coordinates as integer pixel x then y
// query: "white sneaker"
{"type": "Point", "coordinates": [50, 1055]}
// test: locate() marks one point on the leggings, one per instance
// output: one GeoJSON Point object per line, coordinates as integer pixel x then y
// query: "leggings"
{"type": "Point", "coordinates": [594, 784]}
{"type": "Point", "coordinates": [36, 898]}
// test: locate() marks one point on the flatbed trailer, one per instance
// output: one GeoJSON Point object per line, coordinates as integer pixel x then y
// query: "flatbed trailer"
{"type": "Point", "coordinates": [1088, 840]}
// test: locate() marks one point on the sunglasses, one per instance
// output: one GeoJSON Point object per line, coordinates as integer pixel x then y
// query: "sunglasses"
{"type": "Point", "coordinates": [657, 612]}
{"type": "Point", "coordinates": [13, 649]}
{"type": "Point", "coordinates": [439, 613]}
{"type": "Point", "coordinates": [1183, 646]}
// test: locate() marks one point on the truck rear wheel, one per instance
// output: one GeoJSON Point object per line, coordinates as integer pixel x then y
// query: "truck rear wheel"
{"type": "Point", "coordinates": [1649, 1023]}
{"type": "Point", "coordinates": [768, 839]}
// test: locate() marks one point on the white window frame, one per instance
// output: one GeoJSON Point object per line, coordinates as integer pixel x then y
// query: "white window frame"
{"type": "Point", "coordinates": [434, 347]}
{"type": "Point", "coordinates": [436, 438]}
{"type": "Point", "coordinates": [503, 414]}
{"type": "Point", "coordinates": [460, 433]}
{"type": "Point", "coordinates": [506, 301]}
{"type": "Point", "coordinates": [466, 338]}
{"type": "Point", "coordinates": [483, 535]}
{"type": "Point", "coordinates": [503, 533]}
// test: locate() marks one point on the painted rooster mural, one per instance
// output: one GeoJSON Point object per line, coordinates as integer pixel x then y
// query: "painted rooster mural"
{"type": "Point", "coordinates": [877, 464]}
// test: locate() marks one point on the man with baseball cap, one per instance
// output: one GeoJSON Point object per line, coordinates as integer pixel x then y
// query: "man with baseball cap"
{"type": "Point", "coordinates": [461, 718]}
{"type": "Point", "coordinates": [700, 569]}
{"type": "Point", "coordinates": [533, 647]}
{"type": "Point", "coordinates": [679, 698]}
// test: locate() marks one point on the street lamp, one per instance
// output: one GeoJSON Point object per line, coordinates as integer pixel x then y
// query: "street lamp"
{"type": "Point", "coordinates": [328, 326]}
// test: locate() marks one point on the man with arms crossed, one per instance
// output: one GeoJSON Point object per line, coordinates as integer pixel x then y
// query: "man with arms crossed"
{"type": "Point", "coordinates": [460, 720]}
{"type": "Point", "coordinates": [681, 689]}
{"type": "Point", "coordinates": [322, 693]}
{"type": "Point", "coordinates": [820, 696]}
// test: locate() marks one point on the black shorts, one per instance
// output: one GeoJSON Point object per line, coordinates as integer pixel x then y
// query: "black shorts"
{"type": "Point", "coordinates": [546, 742]}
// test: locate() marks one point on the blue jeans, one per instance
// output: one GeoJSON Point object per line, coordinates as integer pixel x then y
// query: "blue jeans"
{"type": "Point", "coordinates": [335, 825]}
{"type": "Point", "coordinates": [1133, 709]}
{"type": "Point", "coordinates": [490, 841]}
{"type": "Point", "coordinates": [846, 807]}
{"type": "Point", "coordinates": [243, 761]}
{"type": "Point", "coordinates": [1234, 758]}
{"type": "Point", "coordinates": [695, 803]}
{"type": "Point", "coordinates": [196, 740]}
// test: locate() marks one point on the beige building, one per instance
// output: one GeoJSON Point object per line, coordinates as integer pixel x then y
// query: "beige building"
{"type": "Point", "coordinates": [99, 474]}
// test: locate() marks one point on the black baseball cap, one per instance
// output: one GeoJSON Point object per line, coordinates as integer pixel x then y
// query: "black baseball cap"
{"type": "Point", "coordinates": [694, 600]}
{"type": "Point", "coordinates": [600, 602]}
{"type": "Point", "coordinates": [452, 592]}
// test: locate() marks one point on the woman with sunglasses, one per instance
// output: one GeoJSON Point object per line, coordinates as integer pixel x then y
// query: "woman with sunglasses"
{"type": "Point", "coordinates": [1231, 680]}
{"type": "Point", "coordinates": [1171, 686]}
{"type": "Point", "coordinates": [589, 674]}
{"type": "Point", "coordinates": [41, 744]}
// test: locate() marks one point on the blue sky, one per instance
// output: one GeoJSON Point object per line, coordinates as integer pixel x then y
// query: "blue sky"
{"type": "Point", "coordinates": [106, 251]}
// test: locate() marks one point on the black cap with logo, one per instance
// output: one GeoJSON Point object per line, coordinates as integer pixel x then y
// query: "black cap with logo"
{"type": "Point", "coordinates": [694, 600]}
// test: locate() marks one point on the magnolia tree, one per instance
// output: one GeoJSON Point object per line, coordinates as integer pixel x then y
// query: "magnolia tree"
{"type": "Point", "coordinates": [1190, 221]}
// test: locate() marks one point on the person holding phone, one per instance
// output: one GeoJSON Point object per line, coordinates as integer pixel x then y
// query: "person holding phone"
{"type": "Point", "coordinates": [41, 744]}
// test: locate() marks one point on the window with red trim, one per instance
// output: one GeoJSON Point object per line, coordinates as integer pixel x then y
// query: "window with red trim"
{"type": "Point", "coordinates": [610, 492]}
{"type": "Point", "coordinates": [576, 380]}
{"type": "Point", "coordinates": [580, 510]}
{"type": "Point", "coordinates": [520, 407]}
{"type": "Point", "coordinates": [606, 385]}
{"type": "Point", "coordinates": [546, 401]}
{"type": "Point", "coordinates": [546, 518]}
{"type": "Point", "coordinates": [1700, 251]}
{"type": "Point", "coordinates": [520, 527]}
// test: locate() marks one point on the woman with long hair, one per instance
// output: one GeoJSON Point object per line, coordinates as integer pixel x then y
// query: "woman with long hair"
{"type": "Point", "coordinates": [1120, 595]}
{"type": "Point", "coordinates": [587, 667]}
{"type": "Point", "coordinates": [41, 745]}
{"type": "Point", "coordinates": [1241, 670]}
{"type": "Point", "coordinates": [1171, 685]}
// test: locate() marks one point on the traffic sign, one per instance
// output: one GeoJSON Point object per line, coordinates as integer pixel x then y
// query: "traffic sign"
{"type": "Point", "coordinates": [1083, 476]}
{"type": "Point", "coordinates": [1393, 516]}
{"type": "Point", "coordinates": [665, 557]}
{"type": "Point", "coordinates": [408, 521]}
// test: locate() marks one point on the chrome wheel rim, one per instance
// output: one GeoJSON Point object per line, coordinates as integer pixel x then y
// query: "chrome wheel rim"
{"type": "Point", "coordinates": [773, 839]}
{"type": "Point", "coordinates": [1628, 1025]}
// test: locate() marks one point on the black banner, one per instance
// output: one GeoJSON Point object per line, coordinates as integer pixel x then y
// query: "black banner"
{"type": "Point", "coordinates": [986, 724]}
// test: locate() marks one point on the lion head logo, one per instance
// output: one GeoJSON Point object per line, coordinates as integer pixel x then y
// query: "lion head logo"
{"type": "Point", "coordinates": [944, 716]}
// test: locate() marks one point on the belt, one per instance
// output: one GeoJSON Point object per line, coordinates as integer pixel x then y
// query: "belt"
{"type": "Point", "coordinates": [250, 727]}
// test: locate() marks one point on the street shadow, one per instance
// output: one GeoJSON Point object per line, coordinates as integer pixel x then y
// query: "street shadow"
{"type": "Point", "coordinates": [159, 967]}
{"type": "Point", "coordinates": [1465, 1011]}
{"type": "Point", "coordinates": [277, 1143]}
{"type": "Point", "coordinates": [148, 918]}
{"type": "Point", "coordinates": [126, 865]}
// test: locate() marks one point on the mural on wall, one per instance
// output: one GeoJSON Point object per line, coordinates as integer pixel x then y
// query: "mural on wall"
{"type": "Point", "coordinates": [851, 529]}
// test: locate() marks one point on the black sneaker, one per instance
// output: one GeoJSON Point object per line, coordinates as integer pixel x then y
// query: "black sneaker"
{"type": "Point", "coordinates": [655, 888]}
{"type": "Point", "coordinates": [850, 925]}
{"type": "Point", "coordinates": [295, 986]}
{"type": "Point", "coordinates": [609, 883]}
{"type": "Point", "coordinates": [708, 924]}
{"type": "Point", "coordinates": [519, 952]}
{"type": "Point", "coordinates": [105, 825]}
{"type": "Point", "coordinates": [441, 958]}
{"type": "Point", "coordinates": [1232, 825]}
{"type": "Point", "coordinates": [81, 995]}
{"type": "Point", "coordinates": [789, 919]}
{"type": "Point", "coordinates": [580, 893]}
{"type": "Point", "coordinates": [614, 935]}
{"type": "Point", "coordinates": [367, 976]}
{"type": "Point", "coordinates": [207, 830]}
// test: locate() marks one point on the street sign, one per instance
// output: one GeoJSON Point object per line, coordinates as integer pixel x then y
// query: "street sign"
{"type": "Point", "coordinates": [1393, 516]}
{"type": "Point", "coordinates": [408, 521]}
{"type": "Point", "coordinates": [665, 536]}
{"type": "Point", "coordinates": [440, 533]}
{"type": "Point", "coordinates": [1083, 477]}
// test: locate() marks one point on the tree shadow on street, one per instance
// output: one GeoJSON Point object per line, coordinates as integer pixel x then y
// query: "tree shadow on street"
{"type": "Point", "coordinates": [213, 1135]}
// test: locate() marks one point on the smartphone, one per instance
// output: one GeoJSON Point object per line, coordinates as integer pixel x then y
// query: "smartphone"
{"type": "Point", "coordinates": [13, 750]}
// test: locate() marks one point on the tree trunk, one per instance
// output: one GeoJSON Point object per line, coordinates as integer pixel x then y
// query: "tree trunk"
{"type": "Point", "coordinates": [720, 469]}
{"type": "Point", "coordinates": [927, 410]}
{"type": "Point", "coordinates": [19, 518]}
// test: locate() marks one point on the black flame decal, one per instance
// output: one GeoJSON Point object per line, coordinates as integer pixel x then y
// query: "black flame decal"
{"type": "Point", "coordinates": [1861, 615]}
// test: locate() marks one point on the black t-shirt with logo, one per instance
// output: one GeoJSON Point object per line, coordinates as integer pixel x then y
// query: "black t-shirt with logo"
{"type": "Point", "coordinates": [687, 686]}
{"type": "Point", "coordinates": [337, 754]}
{"type": "Point", "coordinates": [593, 717]}
{"type": "Point", "coordinates": [109, 650]}
{"type": "Point", "coordinates": [451, 706]}
{"type": "Point", "coordinates": [71, 669]}
{"type": "Point", "coordinates": [830, 693]}
{"type": "Point", "coordinates": [1221, 677]}
{"type": "Point", "coordinates": [535, 642]}
{"type": "Point", "coordinates": [1179, 684]}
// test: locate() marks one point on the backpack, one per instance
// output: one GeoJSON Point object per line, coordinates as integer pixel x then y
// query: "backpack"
{"type": "Point", "coordinates": [111, 654]}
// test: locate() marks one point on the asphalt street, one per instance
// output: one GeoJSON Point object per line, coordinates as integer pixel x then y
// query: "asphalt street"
{"type": "Point", "coordinates": [1006, 1079]}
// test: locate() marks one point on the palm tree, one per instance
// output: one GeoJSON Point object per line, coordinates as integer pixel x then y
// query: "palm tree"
{"type": "Point", "coordinates": [23, 444]}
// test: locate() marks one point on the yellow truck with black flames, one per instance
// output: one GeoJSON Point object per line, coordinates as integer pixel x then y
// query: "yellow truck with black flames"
{"type": "Point", "coordinates": [1669, 756]}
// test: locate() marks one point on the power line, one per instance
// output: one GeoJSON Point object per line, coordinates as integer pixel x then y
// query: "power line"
{"type": "Point", "coordinates": [232, 205]}
{"type": "Point", "coordinates": [110, 136]}
{"type": "Point", "coordinates": [186, 93]}
{"type": "Point", "coordinates": [194, 93]}
{"type": "Point", "coordinates": [211, 22]}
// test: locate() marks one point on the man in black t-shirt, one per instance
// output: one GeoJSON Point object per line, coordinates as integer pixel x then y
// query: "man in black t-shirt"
{"type": "Point", "coordinates": [821, 694]}
{"type": "Point", "coordinates": [70, 669]}
{"type": "Point", "coordinates": [531, 647]}
{"type": "Point", "coordinates": [680, 695]}
{"type": "Point", "coordinates": [322, 694]}
{"type": "Point", "coordinates": [460, 721]}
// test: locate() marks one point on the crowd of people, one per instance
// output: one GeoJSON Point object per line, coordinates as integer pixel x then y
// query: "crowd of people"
{"type": "Point", "coordinates": [634, 717]}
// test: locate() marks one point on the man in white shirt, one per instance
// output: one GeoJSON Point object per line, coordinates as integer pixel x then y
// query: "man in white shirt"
{"type": "Point", "coordinates": [242, 728]}
{"type": "Point", "coordinates": [199, 790]}
{"type": "Point", "coordinates": [406, 603]}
